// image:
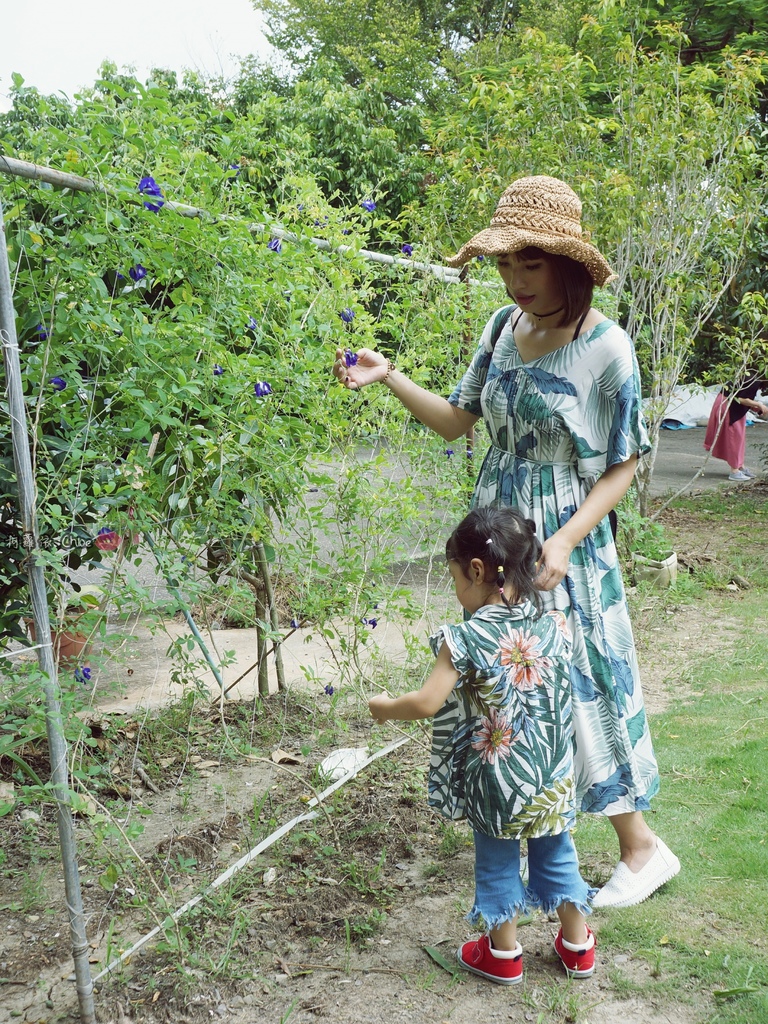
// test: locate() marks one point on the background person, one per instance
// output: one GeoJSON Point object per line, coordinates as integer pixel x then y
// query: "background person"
{"type": "Point", "coordinates": [726, 436]}
{"type": "Point", "coordinates": [557, 386]}
{"type": "Point", "coordinates": [502, 755]}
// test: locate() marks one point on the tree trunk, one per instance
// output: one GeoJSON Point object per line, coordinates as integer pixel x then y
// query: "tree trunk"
{"type": "Point", "coordinates": [261, 642]}
{"type": "Point", "coordinates": [644, 475]}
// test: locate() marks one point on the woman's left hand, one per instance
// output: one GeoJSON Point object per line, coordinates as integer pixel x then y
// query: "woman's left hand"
{"type": "Point", "coordinates": [553, 562]}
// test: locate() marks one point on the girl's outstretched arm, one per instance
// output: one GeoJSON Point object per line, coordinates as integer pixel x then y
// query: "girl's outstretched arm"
{"type": "Point", "coordinates": [423, 703]}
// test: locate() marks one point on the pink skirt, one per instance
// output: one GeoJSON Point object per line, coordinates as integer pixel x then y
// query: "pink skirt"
{"type": "Point", "coordinates": [731, 442]}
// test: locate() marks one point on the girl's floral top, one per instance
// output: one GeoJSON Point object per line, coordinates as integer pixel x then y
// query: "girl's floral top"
{"type": "Point", "coordinates": [502, 742]}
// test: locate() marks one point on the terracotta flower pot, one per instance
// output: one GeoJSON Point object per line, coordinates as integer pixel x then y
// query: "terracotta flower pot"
{"type": "Point", "coordinates": [69, 645]}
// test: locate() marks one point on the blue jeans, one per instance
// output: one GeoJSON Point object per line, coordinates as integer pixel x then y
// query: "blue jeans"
{"type": "Point", "coordinates": [553, 878]}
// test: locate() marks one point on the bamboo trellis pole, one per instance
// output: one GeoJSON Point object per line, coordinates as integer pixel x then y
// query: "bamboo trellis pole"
{"type": "Point", "coordinates": [57, 744]}
{"type": "Point", "coordinates": [63, 179]}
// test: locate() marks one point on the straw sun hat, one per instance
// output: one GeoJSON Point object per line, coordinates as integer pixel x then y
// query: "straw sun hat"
{"type": "Point", "coordinates": [539, 211]}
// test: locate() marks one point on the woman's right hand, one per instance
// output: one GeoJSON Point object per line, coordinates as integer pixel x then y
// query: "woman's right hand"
{"type": "Point", "coordinates": [370, 367]}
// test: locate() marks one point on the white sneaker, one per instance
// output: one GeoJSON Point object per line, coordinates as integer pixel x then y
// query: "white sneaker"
{"type": "Point", "coordinates": [748, 472]}
{"type": "Point", "coordinates": [739, 476]}
{"type": "Point", "coordinates": [625, 888]}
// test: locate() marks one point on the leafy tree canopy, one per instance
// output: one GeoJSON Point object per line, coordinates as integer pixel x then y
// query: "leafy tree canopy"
{"type": "Point", "coordinates": [712, 25]}
{"type": "Point", "coordinates": [402, 43]}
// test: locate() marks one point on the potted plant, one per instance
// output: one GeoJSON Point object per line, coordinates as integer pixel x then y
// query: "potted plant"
{"type": "Point", "coordinates": [659, 569]}
{"type": "Point", "coordinates": [645, 544]}
{"type": "Point", "coordinates": [74, 618]}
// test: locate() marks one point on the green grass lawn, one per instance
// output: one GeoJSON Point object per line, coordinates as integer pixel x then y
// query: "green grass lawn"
{"type": "Point", "coordinates": [705, 933]}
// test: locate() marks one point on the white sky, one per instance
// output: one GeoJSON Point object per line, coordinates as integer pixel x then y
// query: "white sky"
{"type": "Point", "coordinates": [58, 46]}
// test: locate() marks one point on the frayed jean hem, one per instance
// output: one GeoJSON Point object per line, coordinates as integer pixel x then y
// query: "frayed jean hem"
{"type": "Point", "coordinates": [550, 905]}
{"type": "Point", "coordinates": [479, 920]}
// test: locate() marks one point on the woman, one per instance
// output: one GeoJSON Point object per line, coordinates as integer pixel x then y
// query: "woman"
{"type": "Point", "coordinates": [726, 436]}
{"type": "Point", "coordinates": [557, 385]}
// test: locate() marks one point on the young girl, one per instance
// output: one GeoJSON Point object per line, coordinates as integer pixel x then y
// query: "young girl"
{"type": "Point", "coordinates": [502, 752]}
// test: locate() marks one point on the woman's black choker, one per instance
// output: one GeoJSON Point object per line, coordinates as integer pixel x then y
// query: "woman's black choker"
{"type": "Point", "coordinates": [544, 316]}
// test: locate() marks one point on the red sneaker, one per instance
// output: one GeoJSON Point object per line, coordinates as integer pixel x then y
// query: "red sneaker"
{"type": "Point", "coordinates": [578, 961]}
{"type": "Point", "coordinates": [480, 958]}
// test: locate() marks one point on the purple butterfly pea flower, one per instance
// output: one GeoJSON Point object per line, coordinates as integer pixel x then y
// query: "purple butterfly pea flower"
{"type": "Point", "coordinates": [149, 187]}
{"type": "Point", "coordinates": [41, 332]}
{"type": "Point", "coordinates": [82, 675]}
{"type": "Point", "coordinates": [373, 623]}
{"type": "Point", "coordinates": [295, 624]}
{"type": "Point", "coordinates": [217, 370]}
{"type": "Point", "coordinates": [449, 452]}
{"type": "Point", "coordinates": [347, 315]}
{"type": "Point", "coordinates": [275, 245]}
{"type": "Point", "coordinates": [328, 689]}
{"type": "Point", "coordinates": [369, 205]}
{"type": "Point", "coordinates": [137, 273]}
{"type": "Point", "coordinates": [350, 357]}
{"type": "Point", "coordinates": [261, 389]}
{"type": "Point", "coordinates": [252, 324]}
{"type": "Point", "coordinates": [406, 249]}
{"type": "Point", "coordinates": [58, 383]}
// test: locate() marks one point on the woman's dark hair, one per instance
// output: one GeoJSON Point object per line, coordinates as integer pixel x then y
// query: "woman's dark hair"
{"type": "Point", "coordinates": [572, 278]}
{"type": "Point", "coordinates": [506, 544]}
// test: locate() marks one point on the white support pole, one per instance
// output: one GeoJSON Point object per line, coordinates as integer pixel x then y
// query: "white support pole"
{"type": "Point", "coordinates": [57, 744]}
{"type": "Point", "coordinates": [252, 854]}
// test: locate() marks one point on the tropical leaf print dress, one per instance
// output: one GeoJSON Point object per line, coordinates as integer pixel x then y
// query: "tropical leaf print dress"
{"type": "Point", "coordinates": [502, 754]}
{"type": "Point", "coordinates": [555, 424]}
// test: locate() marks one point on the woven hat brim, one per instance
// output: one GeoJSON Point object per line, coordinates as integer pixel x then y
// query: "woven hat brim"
{"type": "Point", "coordinates": [496, 241]}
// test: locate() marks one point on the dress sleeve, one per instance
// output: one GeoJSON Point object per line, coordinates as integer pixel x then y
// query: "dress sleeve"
{"type": "Point", "coordinates": [457, 645]}
{"type": "Point", "coordinates": [466, 394]}
{"type": "Point", "coordinates": [616, 409]}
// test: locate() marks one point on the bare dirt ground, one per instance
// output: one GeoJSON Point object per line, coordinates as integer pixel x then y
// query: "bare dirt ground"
{"type": "Point", "coordinates": [300, 934]}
